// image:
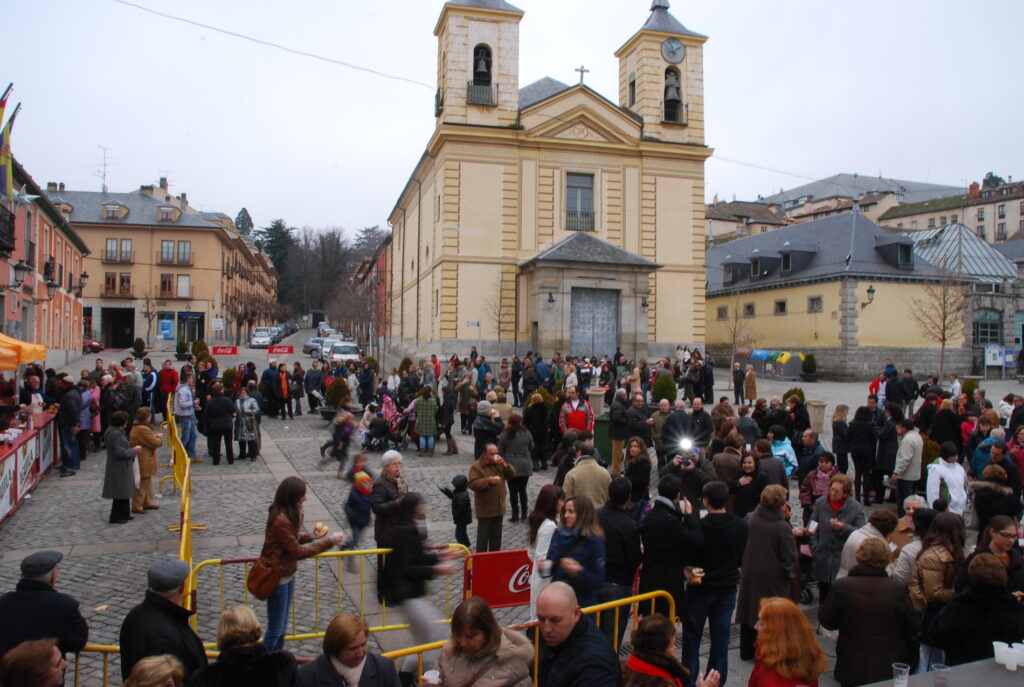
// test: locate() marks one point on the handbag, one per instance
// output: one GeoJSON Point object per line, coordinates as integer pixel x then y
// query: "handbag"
{"type": "Point", "coordinates": [262, 579]}
{"type": "Point", "coordinates": [136, 475]}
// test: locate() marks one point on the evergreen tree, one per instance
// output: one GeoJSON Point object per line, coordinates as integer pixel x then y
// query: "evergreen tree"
{"type": "Point", "coordinates": [367, 241]}
{"type": "Point", "coordinates": [276, 241]}
{"type": "Point", "coordinates": [243, 222]}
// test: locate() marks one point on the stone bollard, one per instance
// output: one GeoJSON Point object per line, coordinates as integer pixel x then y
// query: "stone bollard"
{"type": "Point", "coordinates": [595, 395]}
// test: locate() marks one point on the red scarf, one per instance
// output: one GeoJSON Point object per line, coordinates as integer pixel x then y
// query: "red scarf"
{"type": "Point", "coordinates": [834, 505]}
{"type": "Point", "coordinates": [644, 668]}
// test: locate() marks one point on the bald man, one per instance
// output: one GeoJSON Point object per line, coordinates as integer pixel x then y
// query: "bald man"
{"type": "Point", "coordinates": [574, 652]}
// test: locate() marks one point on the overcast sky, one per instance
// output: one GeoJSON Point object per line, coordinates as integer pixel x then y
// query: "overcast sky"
{"type": "Point", "coordinates": [925, 90]}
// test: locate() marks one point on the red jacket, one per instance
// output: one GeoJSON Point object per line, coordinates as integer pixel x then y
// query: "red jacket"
{"type": "Point", "coordinates": [167, 381]}
{"type": "Point", "coordinates": [582, 418]}
{"type": "Point", "coordinates": [766, 677]}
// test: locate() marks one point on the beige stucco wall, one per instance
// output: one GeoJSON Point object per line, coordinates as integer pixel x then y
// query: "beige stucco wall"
{"type": "Point", "coordinates": [887, 322]}
{"type": "Point", "coordinates": [797, 328]}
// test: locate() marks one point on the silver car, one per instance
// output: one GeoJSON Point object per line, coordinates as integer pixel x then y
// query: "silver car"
{"type": "Point", "coordinates": [261, 338]}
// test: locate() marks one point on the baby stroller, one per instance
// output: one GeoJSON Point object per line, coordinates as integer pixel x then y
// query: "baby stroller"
{"type": "Point", "coordinates": [378, 435]}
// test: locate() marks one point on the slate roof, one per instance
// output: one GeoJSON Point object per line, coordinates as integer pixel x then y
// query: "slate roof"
{"type": "Point", "coordinates": [584, 247]}
{"type": "Point", "coordinates": [87, 207]}
{"type": "Point", "coordinates": [956, 248]}
{"type": "Point", "coordinates": [739, 211]}
{"type": "Point", "coordinates": [1014, 250]}
{"type": "Point", "coordinates": [541, 89]}
{"type": "Point", "coordinates": [485, 4]}
{"type": "Point", "coordinates": [852, 185]}
{"type": "Point", "coordinates": [662, 20]}
{"type": "Point", "coordinates": [834, 238]}
{"type": "Point", "coordinates": [936, 205]}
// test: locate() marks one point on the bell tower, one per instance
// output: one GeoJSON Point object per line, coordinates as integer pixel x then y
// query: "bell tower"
{"type": "Point", "coordinates": [661, 77]}
{"type": "Point", "coordinates": [477, 63]}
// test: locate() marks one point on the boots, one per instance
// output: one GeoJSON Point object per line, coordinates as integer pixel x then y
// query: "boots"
{"type": "Point", "coordinates": [430, 452]}
{"type": "Point", "coordinates": [453, 447]}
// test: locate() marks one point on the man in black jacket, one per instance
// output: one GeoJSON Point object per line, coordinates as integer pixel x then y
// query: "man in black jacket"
{"type": "Point", "coordinates": [713, 595]}
{"type": "Point", "coordinates": [622, 555]}
{"type": "Point", "coordinates": [35, 610]}
{"type": "Point", "coordinates": [702, 424]}
{"type": "Point", "coordinates": [574, 652]}
{"type": "Point", "coordinates": [220, 420]}
{"type": "Point", "coordinates": [67, 425]}
{"type": "Point", "coordinates": [617, 426]}
{"type": "Point", "coordinates": [678, 426]}
{"type": "Point", "coordinates": [159, 625]}
{"type": "Point", "coordinates": [672, 540]}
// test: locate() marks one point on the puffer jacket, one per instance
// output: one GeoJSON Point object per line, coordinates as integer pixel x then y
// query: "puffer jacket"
{"type": "Point", "coordinates": [509, 666]}
{"type": "Point", "coordinates": [933, 578]}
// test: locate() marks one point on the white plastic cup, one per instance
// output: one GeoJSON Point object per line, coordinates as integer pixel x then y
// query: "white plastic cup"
{"type": "Point", "coordinates": [431, 677]}
{"type": "Point", "coordinates": [999, 651]}
{"type": "Point", "coordinates": [940, 675]}
{"type": "Point", "coordinates": [900, 674]}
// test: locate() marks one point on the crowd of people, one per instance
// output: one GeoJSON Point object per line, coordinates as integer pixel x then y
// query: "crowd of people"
{"type": "Point", "coordinates": [694, 499]}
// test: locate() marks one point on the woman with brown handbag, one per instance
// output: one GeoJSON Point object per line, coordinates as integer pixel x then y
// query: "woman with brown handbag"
{"type": "Point", "coordinates": [284, 544]}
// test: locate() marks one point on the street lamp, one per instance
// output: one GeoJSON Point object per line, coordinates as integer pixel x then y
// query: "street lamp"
{"type": "Point", "coordinates": [82, 282]}
{"type": "Point", "coordinates": [20, 272]}
{"type": "Point", "coordinates": [871, 297]}
{"type": "Point", "coordinates": [51, 291]}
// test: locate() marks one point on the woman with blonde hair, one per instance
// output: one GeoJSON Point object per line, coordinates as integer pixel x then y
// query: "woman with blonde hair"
{"type": "Point", "coordinates": [787, 652]}
{"type": "Point", "coordinates": [243, 660]}
{"type": "Point", "coordinates": [481, 653]}
{"type": "Point", "coordinates": [156, 671]}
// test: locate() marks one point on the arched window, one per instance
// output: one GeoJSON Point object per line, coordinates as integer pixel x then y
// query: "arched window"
{"type": "Point", "coordinates": [988, 326]}
{"type": "Point", "coordinates": [673, 96]}
{"type": "Point", "coordinates": [481, 65]}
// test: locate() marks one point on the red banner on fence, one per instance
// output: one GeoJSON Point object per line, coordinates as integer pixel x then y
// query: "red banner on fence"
{"type": "Point", "coordinates": [280, 350]}
{"type": "Point", "coordinates": [224, 350]}
{"type": "Point", "coordinates": [501, 578]}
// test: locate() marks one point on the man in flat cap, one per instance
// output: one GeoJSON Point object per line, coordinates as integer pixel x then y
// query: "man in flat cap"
{"type": "Point", "coordinates": [35, 610]}
{"type": "Point", "coordinates": [159, 625]}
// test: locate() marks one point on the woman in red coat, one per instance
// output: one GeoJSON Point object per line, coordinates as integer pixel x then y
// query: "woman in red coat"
{"type": "Point", "coordinates": [788, 655]}
{"type": "Point", "coordinates": [653, 662]}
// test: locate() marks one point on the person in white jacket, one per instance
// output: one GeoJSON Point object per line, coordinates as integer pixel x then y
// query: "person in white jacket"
{"type": "Point", "coordinates": [543, 523]}
{"type": "Point", "coordinates": [947, 471]}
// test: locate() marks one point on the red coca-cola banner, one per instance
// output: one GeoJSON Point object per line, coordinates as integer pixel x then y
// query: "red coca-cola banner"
{"type": "Point", "coordinates": [280, 350]}
{"type": "Point", "coordinates": [224, 350]}
{"type": "Point", "coordinates": [501, 578]}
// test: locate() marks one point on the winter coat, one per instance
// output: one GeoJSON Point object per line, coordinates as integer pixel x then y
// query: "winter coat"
{"type": "Point", "coordinates": [426, 416]}
{"type": "Point", "coordinates": [69, 412]}
{"type": "Point", "coordinates": [762, 676]}
{"type": "Point", "coordinates": [769, 562]}
{"type": "Point", "coordinates": [118, 477]}
{"type": "Point", "coordinates": [246, 413]}
{"type": "Point", "coordinates": [746, 497]}
{"type": "Point", "coordinates": [35, 610]}
{"type": "Point", "coordinates": [584, 659]}
{"type": "Point", "coordinates": [588, 478]}
{"type": "Point", "coordinates": [638, 473]}
{"type": "Point", "coordinates": [407, 569]}
{"type": "Point", "coordinates": [888, 445]}
{"type": "Point", "coordinates": [485, 431]}
{"type": "Point", "coordinates": [517, 451]}
{"type": "Point", "coordinates": [248, 666]}
{"type": "Point", "coordinates": [446, 413]}
{"type": "Point", "coordinates": [158, 626]}
{"type": "Point", "coordinates": [144, 436]}
{"type": "Point", "coordinates": [727, 464]}
{"type": "Point", "coordinates": [462, 507]}
{"type": "Point", "coordinates": [657, 671]}
{"type": "Point", "coordinates": [876, 623]}
{"type": "Point", "coordinates": [678, 426]}
{"type": "Point", "coordinates": [314, 380]}
{"type": "Point", "coordinates": [725, 539]}
{"type": "Point", "coordinates": [535, 419]}
{"type": "Point", "coordinates": [536, 552]}
{"type": "Point", "coordinates": [377, 672]}
{"type": "Point", "coordinates": [489, 499]}
{"type": "Point", "coordinates": [783, 450]}
{"type": "Point", "coordinates": [966, 627]}
{"type": "Point", "coordinates": [589, 553]}
{"type": "Point", "coordinates": [284, 545]}
{"type": "Point", "coordinates": [385, 496]}
{"type": "Point", "coordinates": [827, 543]}
{"type": "Point", "coordinates": [945, 427]}
{"type": "Point", "coordinates": [617, 419]}
{"type": "Point", "coordinates": [702, 427]}
{"type": "Point", "coordinates": [358, 508]}
{"type": "Point", "coordinates": [933, 578]}
{"type": "Point", "coordinates": [993, 498]}
{"type": "Point", "coordinates": [909, 454]}
{"type": "Point", "coordinates": [750, 385]}
{"type": "Point", "coordinates": [749, 430]}
{"type": "Point", "coordinates": [1014, 571]}
{"type": "Point", "coordinates": [508, 666]}
{"type": "Point", "coordinates": [693, 481]}
{"type": "Point", "coordinates": [671, 541]}
{"type": "Point", "coordinates": [863, 442]}
{"type": "Point", "coordinates": [815, 485]}
{"type": "Point", "coordinates": [773, 470]}
{"type": "Point", "coordinates": [840, 437]}
{"type": "Point", "coordinates": [218, 412]}
{"type": "Point", "coordinates": [636, 424]}
{"type": "Point", "coordinates": [621, 544]}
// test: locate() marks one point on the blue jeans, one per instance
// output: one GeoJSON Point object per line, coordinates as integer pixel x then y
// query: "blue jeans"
{"type": "Point", "coordinates": [277, 615]}
{"type": "Point", "coordinates": [187, 433]}
{"type": "Point", "coordinates": [427, 442]}
{"type": "Point", "coordinates": [69, 446]}
{"type": "Point", "coordinates": [462, 535]}
{"type": "Point", "coordinates": [700, 608]}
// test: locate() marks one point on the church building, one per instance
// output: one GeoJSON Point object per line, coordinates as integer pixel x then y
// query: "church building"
{"type": "Point", "coordinates": [549, 217]}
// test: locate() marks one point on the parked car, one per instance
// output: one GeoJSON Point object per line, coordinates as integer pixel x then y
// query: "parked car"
{"type": "Point", "coordinates": [325, 344]}
{"type": "Point", "coordinates": [276, 334]}
{"type": "Point", "coordinates": [262, 337]}
{"type": "Point", "coordinates": [312, 345]}
{"type": "Point", "coordinates": [91, 346]}
{"type": "Point", "coordinates": [341, 351]}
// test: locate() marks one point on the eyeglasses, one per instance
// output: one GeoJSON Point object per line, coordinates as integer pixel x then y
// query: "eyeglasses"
{"type": "Point", "coordinates": [1007, 535]}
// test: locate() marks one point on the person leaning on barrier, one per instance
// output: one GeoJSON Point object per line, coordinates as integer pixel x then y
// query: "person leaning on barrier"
{"type": "Point", "coordinates": [159, 625]}
{"type": "Point", "coordinates": [35, 609]}
{"type": "Point", "coordinates": [346, 661]}
{"type": "Point", "coordinates": [574, 652]}
{"type": "Point", "coordinates": [243, 661]}
{"type": "Point", "coordinates": [38, 663]}
{"type": "Point", "coordinates": [482, 654]}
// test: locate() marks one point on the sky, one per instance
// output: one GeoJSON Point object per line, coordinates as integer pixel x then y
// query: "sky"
{"type": "Point", "coordinates": [796, 90]}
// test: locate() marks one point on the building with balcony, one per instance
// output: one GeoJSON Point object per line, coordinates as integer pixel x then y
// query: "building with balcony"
{"type": "Point", "coordinates": [550, 217]}
{"type": "Point", "coordinates": [45, 263]}
{"type": "Point", "coordinates": [164, 272]}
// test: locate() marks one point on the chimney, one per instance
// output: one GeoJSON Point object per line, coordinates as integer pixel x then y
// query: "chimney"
{"type": "Point", "coordinates": [163, 183]}
{"type": "Point", "coordinates": [51, 186]}
{"type": "Point", "coordinates": [973, 191]}
{"type": "Point", "coordinates": [184, 200]}
{"type": "Point", "coordinates": [60, 187]}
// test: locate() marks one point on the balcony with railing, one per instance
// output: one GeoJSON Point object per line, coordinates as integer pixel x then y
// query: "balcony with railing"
{"type": "Point", "coordinates": [122, 291]}
{"type": "Point", "coordinates": [174, 259]}
{"type": "Point", "coordinates": [184, 293]}
{"type": "Point", "coordinates": [675, 112]}
{"type": "Point", "coordinates": [114, 257]}
{"type": "Point", "coordinates": [6, 231]}
{"type": "Point", "coordinates": [579, 220]}
{"type": "Point", "coordinates": [481, 94]}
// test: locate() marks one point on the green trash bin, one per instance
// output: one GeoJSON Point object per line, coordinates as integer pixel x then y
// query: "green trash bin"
{"type": "Point", "coordinates": [602, 442]}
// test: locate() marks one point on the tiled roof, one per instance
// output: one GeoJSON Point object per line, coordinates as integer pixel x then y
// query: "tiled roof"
{"type": "Point", "coordinates": [957, 249]}
{"type": "Point", "coordinates": [486, 4]}
{"type": "Point", "coordinates": [936, 205]}
{"type": "Point", "coordinates": [1014, 250]}
{"type": "Point", "coordinates": [662, 20]}
{"type": "Point", "coordinates": [583, 247]}
{"type": "Point", "coordinates": [540, 89]}
{"type": "Point", "coordinates": [739, 211]}
{"type": "Point", "coordinates": [87, 207]}
{"type": "Point", "coordinates": [853, 185]}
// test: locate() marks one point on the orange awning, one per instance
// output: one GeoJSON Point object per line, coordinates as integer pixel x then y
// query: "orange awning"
{"type": "Point", "coordinates": [14, 352]}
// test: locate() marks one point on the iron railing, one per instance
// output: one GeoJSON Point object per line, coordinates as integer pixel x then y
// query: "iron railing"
{"type": "Point", "coordinates": [118, 258]}
{"type": "Point", "coordinates": [6, 231]}
{"type": "Point", "coordinates": [675, 112]}
{"type": "Point", "coordinates": [481, 94]}
{"type": "Point", "coordinates": [579, 220]}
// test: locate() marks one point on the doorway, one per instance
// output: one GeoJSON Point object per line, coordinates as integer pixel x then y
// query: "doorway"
{"type": "Point", "coordinates": [594, 327]}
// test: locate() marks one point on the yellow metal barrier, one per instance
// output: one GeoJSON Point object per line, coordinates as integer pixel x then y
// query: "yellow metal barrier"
{"type": "Point", "coordinates": [320, 619]}
{"type": "Point", "coordinates": [418, 651]}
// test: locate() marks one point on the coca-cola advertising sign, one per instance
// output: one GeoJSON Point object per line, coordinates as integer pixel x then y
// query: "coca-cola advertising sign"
{"type": "Point", "coordinates": [224, 350]}
{"type": "Point", "coordinates": [280, 350]}
{"type": "Point", "coordinates": [501, 578]}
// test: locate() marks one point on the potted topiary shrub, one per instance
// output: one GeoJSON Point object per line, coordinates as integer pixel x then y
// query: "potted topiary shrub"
{"type": "Point", "coordinates": [809, 368]}
{"type": "Point", "coordinates": [228, 379]}
{"type": "Point", "coordinates": [199, 347]}
{"type": "Point", "coordinates": [337, 391]}
{"type": "Point", "coordinates": [138, 348]}
{"type": "Point", "coordinates": [664, 387]}
{"type": "Point", "coordinates": [181, 351]}
{"type": "Point", "coordinates": [795, 391]}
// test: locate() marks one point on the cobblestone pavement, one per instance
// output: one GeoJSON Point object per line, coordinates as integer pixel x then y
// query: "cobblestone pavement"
{"type": "Point", "coordinates": [105, 565]}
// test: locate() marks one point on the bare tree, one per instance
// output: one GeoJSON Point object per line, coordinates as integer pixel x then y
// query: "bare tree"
{"type": "Point", "coordinates": [149, 313]}
{"type": "Point", "coordinates": [738, 334]}
{"type": "Point", "coordinates": [939, 311]}
{"type": "Point", "coordinates": [500, 307]}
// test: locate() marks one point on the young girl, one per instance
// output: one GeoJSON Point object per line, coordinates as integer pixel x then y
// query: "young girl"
{"type": "Point", "coordinates": [358, 511]}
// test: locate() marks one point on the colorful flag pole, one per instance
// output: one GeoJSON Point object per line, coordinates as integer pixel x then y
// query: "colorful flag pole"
{"type": "Point", "coordinates": [6, 158]}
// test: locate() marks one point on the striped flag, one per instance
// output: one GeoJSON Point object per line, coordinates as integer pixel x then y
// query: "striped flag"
{"type": "Point", "coordinates": [6, 159]}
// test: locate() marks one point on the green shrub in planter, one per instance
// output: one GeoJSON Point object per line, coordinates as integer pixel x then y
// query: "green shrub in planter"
{"type": "Point", "coordinates": [810, 365]}
{"type": "Point", "coordinates": [968, 388]}
{"type": "Point", "coordinates": [337, 391]}
{"type": "Point", "coordinates": [795, 391]}
{"type": "Point", "coordinates": [139, 346]}
{"type": "Point", "coordinates": [181, 348]}
{"type": "Point", "coordinates": [228, 378]}
{"type": "Point", "coordinates": [664, 387]}
{"type": "Point", "coordinates": [199, 346]}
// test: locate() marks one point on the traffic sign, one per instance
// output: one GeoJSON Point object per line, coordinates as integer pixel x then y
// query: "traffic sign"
{"type": "Point", "coordinates": [280, 350]}
{"type": "Point", "coordinates": [224, 350]}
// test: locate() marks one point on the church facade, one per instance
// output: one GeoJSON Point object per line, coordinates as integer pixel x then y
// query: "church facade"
{"type": "Point", "coordinates": [549, 217]}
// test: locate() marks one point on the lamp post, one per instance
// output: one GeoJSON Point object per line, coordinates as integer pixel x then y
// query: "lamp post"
{"type": "Point", "coordinates": [51, 291]}
{"type": "Point", "coordinates": [20, 271]}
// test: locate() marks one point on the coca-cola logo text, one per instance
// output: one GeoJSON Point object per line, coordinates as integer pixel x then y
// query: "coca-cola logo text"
{"type": "Point", "coordinates": [520, 580]}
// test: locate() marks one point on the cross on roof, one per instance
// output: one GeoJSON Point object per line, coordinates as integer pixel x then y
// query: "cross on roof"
{"type": "Point", "coordinates": [582, 70]}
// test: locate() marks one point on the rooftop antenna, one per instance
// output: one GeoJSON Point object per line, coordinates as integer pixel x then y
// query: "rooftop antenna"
{"type": "Point", "coordinates": [102, 174]}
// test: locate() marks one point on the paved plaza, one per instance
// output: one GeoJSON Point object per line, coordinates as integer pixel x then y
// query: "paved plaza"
{"type": "Point", "coordinates": [105, 565]}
